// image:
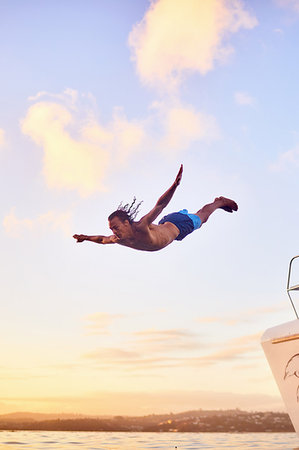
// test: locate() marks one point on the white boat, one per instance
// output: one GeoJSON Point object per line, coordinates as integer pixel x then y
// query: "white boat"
{"type": "Point", "coordinates": [281, 347]}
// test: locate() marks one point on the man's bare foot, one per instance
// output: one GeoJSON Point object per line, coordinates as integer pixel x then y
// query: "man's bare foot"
{"type": "Point", "coordinates": [227, 204]}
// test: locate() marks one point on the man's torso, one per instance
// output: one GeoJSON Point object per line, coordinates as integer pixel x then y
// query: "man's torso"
{"type": "Point", "coordinates": [151, 237]}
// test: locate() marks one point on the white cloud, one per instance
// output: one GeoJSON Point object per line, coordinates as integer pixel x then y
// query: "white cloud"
{"type": "Point", "coordinates": [78, 150]}
{"type": "Point", "coordinates": [56, 221]}
{"type": "Point", "coordinates": [244, 99]}
{"type": "Point", "coordinates": [154, 334]}
{"type": "Point", "coordinates": [183, 351]}
{"type": "Point", "coordinates": [182, 125]}
{"type": "Point", "coordinates": [180, 36]}
{"type": "Point", "coordinates": [68, 163]}
{"type": "Point", "coordinates": [292, 4]}
{"type": "Point", "coordinates": [98, 323]}
{"type": "Point", "coordinates": [243, 317]}
{"type": "Point", "coordinates": [287, 160]}
{"type": "Point", "coordinates": [113, 355]}
{"type": "Point", "coordinates": [68, 95]}
{"type": "Point", "coordinates": [2, 137]}
{"type": "Point", "coordinates": [127, 135]}
{"type": "Point", "coordinates": [166, 341]}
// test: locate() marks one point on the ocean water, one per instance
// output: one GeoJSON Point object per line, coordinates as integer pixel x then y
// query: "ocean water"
{"type": "Point", "coordinates": [62, 440]}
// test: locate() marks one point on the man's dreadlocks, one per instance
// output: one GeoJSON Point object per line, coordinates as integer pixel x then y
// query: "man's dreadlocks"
{"type": "Point", "coordinates": [126, 211]}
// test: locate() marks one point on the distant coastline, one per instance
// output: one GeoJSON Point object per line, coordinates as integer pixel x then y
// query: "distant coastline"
{"type": "Point", "coordinates": [191, 421]}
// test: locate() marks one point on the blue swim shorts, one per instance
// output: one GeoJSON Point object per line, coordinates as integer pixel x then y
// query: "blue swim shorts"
{"type": "Point", "coordinates": [185, 222]}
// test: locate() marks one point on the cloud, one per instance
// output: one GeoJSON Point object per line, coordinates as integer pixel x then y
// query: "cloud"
{"type": "Point", "coordinates": [149, 349]}
{"type": "Point", "coordinates": [69, 96]}
{"type": "Point", "coordinates": [2, 137]}
{"type": "Point", "coordinates": [127, 359]}
{"type": "Point", "coordinates": [216, 320]}
{"type": "Point", "coordinates": [248, 339]}
{"type": "Point", "coordinates": [68, 163]}
{"type": "Point", "coordinates": [242, 317]}
{"type": "Point", "coordinates": [154, 334]}
{"type": "Point", "coordinates": [291, 4]}
{"type": "Point", "coordinates": [159, 357]}
{"type": "Point", "coordinates": [99, 322]}
{"type": "Point", "coordinates": [235, 349]}
{"type": "Point", "coordinates": [78, 150]}
{"type": "Point", "coordinates": [56, 221]}
{"type": "Point", "coordinates": [113, 355]}
{"type": "Point", "coordinates": [181, 126]}
{"type": "Point", "coordinates": [127, 135]}
{"type": "Point", "coordinates": [176, 37]}
{"type": "Point", "coordinates": [287, 160]}
{"type": "Point", "coordinates": [166, 341]}
{"type": "Point", "coordinates": [244, 99]}
{"type": "Point", "coordinates": [142, 402]}
{"type": "Point", "coordinates": [155, 349]}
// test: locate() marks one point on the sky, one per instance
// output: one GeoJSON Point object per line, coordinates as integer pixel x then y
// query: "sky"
{"type": "Point", "coordinates": [102, 101]}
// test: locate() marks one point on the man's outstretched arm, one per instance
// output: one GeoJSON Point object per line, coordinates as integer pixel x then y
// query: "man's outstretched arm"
{"type": "Point", "coordinates": [163, 200]}
{"type": "Point", "coordinates": [97, 239]}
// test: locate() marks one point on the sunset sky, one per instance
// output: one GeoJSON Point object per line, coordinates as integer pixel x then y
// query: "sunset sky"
{"type": "Point", "coordinates": [101, 101]}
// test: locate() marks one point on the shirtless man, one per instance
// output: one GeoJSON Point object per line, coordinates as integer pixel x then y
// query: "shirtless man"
{"type": "Point", "coordinates": [144, 235]}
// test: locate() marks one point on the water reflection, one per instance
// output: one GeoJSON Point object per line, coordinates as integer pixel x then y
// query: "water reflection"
{"type": "Point", "coordinates": [142, 441]}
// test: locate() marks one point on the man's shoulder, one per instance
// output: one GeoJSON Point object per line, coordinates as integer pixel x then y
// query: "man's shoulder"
{"type": "Point", "coordinates": [141, 225]}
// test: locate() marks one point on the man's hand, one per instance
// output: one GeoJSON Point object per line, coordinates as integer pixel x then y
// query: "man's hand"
{"type": "Point", "coordinates": [179, 176]}
{"type": "Point", "coordinates": [80, 237]}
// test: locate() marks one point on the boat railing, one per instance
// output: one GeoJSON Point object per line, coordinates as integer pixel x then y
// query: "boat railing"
{"type": "Point", "coordinates": [294, 287]}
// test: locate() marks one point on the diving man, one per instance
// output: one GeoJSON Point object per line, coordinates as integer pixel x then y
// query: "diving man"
{"type": "Point", "coordinates": [147, 236]}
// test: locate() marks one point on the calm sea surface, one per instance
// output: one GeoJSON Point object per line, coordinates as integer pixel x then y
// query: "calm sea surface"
{"type": "Point", "coordinates": [132, 441]}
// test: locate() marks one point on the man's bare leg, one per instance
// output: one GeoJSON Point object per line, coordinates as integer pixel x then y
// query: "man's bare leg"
{"type": "Point", "coordinates": [219, 202]}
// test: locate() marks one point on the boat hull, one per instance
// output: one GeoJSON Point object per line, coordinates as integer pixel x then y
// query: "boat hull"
{"type": "Point", "coordinates": [281, 347]}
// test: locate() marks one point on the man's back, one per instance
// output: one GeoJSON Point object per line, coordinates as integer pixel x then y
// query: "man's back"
{"type": "Point", "coordinates": [144, 236]}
